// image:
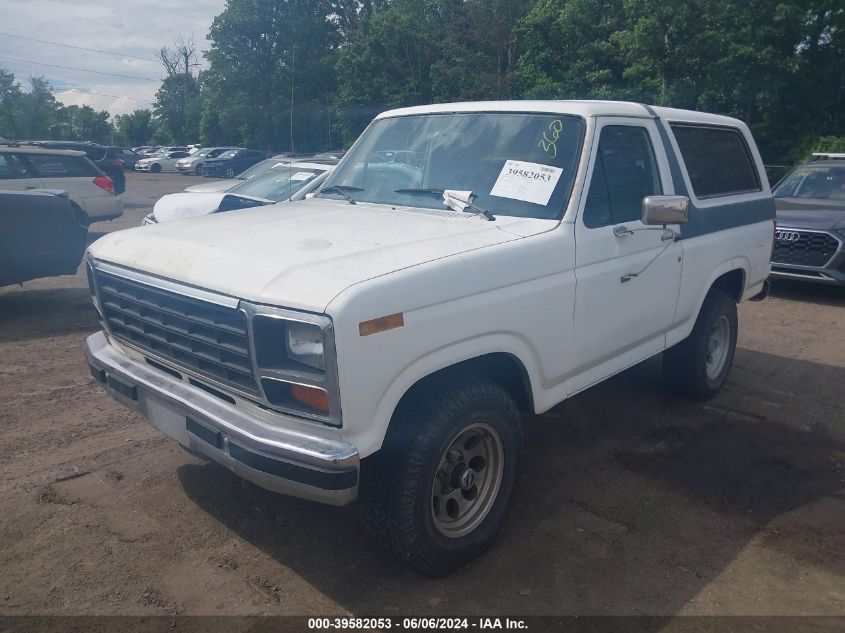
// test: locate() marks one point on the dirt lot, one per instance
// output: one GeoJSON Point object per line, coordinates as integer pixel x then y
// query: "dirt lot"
{"type": "Point", "coordinates": [633, 501]}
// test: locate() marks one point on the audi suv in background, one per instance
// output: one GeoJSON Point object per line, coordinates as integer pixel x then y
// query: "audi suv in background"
{"type": "Point", "coordinates": [810, 235]}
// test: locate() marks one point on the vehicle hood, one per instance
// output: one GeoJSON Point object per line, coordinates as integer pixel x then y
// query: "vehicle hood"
{"type": "Point", "coordinates": [217, 185]}
{"type": "Point", "coordinates": [809, 213]}
{"type": "Point", "coordinates": [181, 206]}
{"type": "Point", "coordinates": [301, 255]}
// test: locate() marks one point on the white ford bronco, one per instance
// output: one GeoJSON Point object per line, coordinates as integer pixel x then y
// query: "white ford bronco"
{"type": "Point", "coordinates": [463, 263]}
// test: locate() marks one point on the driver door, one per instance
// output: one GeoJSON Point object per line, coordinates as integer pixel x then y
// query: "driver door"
{"type": "Point", "coordinates": [627, 274]}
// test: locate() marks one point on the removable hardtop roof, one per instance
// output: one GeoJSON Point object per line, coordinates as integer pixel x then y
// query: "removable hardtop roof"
{"type": "Point", "coordinates": [585, 109]}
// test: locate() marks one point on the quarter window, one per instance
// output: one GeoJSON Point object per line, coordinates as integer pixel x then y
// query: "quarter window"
{"type": "Point", "coordinates": [625, 172]}
{"type": "Point", "coordinates": [718, 160]}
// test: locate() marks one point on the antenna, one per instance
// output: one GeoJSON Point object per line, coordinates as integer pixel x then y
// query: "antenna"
{"type": "Point", "coordinates": [292, 70]}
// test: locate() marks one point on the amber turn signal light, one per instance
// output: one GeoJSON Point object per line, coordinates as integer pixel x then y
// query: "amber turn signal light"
{"type": "Point", "coordinates": [312, 396]}
{"type": "Point", "coordinates": [381, 324]}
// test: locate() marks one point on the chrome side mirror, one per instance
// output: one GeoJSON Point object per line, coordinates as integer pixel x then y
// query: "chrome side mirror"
{"type": "Point", "coordinates": [662, 210]}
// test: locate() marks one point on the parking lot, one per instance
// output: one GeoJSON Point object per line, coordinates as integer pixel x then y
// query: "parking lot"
{"type": "Point", "coordinates": [633, 501]}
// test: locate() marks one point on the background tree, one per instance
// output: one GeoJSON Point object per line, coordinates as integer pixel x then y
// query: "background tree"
{"type": "Point", "coordinates": [135, 128]}
{"type": "Point", "coordinates": [178, 105]}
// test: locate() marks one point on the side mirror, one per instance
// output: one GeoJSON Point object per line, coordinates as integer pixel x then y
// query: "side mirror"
{"type": "Point", "coordinates": [662, 210]}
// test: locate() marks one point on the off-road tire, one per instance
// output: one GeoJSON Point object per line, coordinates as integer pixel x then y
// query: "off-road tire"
{"type": "Point", "coordinates": [685, 364]}
{"type": "Point", "coordinates": [396, 486]}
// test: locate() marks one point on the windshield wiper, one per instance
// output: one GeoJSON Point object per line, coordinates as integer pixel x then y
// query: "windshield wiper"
{"type": "Point", "coordinates": [342, 189]}
{"type": "Point", "coordinates": [457, 205]}
{"type": "Point", "coordinates": [430, 192]}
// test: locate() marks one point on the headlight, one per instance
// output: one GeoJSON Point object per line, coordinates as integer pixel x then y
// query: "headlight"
{"type": "Point", "coordinates": [295, 361]}
{"type": "Point", "coordinates": [304, 342]}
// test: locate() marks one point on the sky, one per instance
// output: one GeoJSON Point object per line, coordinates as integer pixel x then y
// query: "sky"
{"type": "Point", "coordinates": [136, 29]}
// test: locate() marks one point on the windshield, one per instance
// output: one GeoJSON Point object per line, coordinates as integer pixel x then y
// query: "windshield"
{"type": "Point", "coordinates": [822, 182]}
{"type": "Point", "coordinates": [277, 184]}
{"type": "Point", "coordinates": [515, 163]}
{"type": "Point", "coordinates": [230, 154]}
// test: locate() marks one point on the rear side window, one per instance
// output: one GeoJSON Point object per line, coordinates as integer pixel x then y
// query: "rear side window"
{"type": "Point", "coordinates": [11, 167]}
{"type": "Point", "coordinates": [718, 160]}
{"type": "Point", "coordinates": [61, 166]}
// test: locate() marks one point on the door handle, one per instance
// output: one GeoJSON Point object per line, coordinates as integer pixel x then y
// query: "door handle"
{"type": "Point", "coordinates": [31, 187]}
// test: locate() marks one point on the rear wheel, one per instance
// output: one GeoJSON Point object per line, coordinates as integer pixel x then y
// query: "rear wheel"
{"type": "Point", "coordinates": [156, 168]}
{"type": "Point", "coordinates": [230, 173]}
{"type": "Point", "coordinates": [438, 491]}
{"type": "Point", "coordinates": [698, 366]}
{"type": "Point", "coordinates": [198, 170]}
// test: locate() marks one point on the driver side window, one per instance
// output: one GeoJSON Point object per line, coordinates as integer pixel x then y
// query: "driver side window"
{"type": "Point", "coordinates": [625, 172]}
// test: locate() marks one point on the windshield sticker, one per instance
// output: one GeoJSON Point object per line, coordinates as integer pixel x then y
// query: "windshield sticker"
{"type": "Point", "coordinates": [549, 141]}
{"type": "Point", "coordinates": [302, 175]}
{"type": "Point", "coordinates": [529, 182]}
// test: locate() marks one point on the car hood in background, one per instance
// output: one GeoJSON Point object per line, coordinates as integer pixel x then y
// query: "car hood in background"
{"type": "Point", "coordinates": [217, 185]}
{"type": "Point", "coordinates": [810, 213]}
{"type": "Point", "coordinates": [303, 254]}
{"type": "Point", "coordinates": [181, 206]}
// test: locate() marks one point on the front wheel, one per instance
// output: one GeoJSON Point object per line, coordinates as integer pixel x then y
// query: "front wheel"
{"type": "Point", "coordinates": [438, 491]}
{"type": "Point", "coordinates": [230, 173]}
{"type": "Point", "coordinates": [155, 168]}
{"type": "Point", "coordinates": [698, 366]}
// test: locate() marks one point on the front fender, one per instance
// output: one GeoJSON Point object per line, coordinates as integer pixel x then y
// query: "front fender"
{"type": "Point", "coordinates": [369, 439]}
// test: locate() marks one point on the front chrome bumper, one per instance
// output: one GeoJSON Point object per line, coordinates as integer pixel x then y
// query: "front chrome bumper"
{"type": "Point", "coordinates": [281, 460]}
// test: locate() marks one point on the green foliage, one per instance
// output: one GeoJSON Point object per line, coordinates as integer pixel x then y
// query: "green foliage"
{"type": "Point", "coordinates": [319, 70]}
{"type": "Point", "coordinates": [82, 123]}
{"type": "Point", "coordinates": [834, 144]}
{"type": "Point", "coordinates": [35, 114]}
{"type": "Point", "coordinates": [136, 128]}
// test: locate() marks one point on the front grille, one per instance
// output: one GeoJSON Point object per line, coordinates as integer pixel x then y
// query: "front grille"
{"type": "Point", "coordinates": [803, 248]}
{"type": "Point", "coordinates": [203, 337]}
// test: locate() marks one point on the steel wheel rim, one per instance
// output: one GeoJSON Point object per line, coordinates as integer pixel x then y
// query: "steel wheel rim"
{"type": "Point", "coordinates": [718, 344]}
{"type": "Point", "coordinates": [468, 478]}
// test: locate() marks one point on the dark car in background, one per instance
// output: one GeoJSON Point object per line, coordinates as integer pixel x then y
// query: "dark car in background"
{"type": "Point", "coordinates": [128, 157]}
{"type": "Point", "coordinates": [231, 163]}
{"type": "Point", "coordinates": [106, 158]}
{"type": "Point", "coordinates": [810, 232]}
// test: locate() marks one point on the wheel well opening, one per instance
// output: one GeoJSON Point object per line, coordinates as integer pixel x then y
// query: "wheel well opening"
{"type": "Point", "coordinates": [502, 368]}
{"type": "Point", "coordinates": [732, 282]}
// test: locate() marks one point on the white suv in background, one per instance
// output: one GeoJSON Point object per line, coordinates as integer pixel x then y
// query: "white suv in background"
{"type": "Point", "coordinates": [28, 168]}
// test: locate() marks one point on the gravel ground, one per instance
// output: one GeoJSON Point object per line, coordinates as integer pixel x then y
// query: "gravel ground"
{"type": "Point", "coordinates": [633, 501]}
